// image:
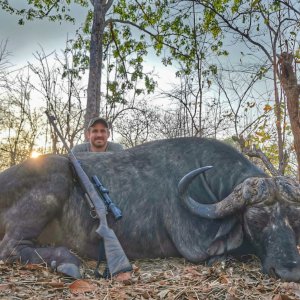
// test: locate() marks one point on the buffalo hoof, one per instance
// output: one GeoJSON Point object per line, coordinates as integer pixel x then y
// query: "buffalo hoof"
{"type": "Point", "coordinates": [70, 270]}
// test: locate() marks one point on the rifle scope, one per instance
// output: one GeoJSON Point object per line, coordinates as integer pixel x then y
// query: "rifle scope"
{"type": "Point", "coordinates": [106, 199]}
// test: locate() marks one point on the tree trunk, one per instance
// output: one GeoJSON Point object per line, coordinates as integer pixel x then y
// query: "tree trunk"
{"type": "Point", "coordinates": [291, 88]}
{"type": "Point", "coordinates": [282, 164]}
{"type": "Point", "coordinates": [96, 56]}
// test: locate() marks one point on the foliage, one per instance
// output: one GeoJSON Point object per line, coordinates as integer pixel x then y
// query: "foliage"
{"type": "Point", "coordinates": [268, 29]}
{"type": "Point", "coordinates": [51, 10]}
{"type": "Point", "coordinates": [224, 51]}
{"type": "Point", "coordinates": [172, 28]}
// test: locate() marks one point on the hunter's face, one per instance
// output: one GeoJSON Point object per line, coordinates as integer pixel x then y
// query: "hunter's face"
{"type": "Point", "coordinates": [98, 135]}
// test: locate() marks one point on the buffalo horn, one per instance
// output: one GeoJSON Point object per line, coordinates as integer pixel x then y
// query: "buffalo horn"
{"type": "Point", "coordinates": [252, 190]}
{"type": "Point", "coordinates": [289, 189]}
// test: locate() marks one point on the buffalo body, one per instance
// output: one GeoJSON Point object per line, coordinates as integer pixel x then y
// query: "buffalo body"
{"type": "Point", "coordinates": [41, 200]}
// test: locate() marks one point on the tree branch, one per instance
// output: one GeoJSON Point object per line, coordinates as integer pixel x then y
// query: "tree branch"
{"type": "Point", "coordinates": [153, 35]}
{"type": "Point", "coordinates": [108, 5]}
{"type": "Point", "coordinates": [255, 152]}
{"type": "Point", "coordinates": [236, 29]}
{"type": "Point", "coordinates": [290, 7]}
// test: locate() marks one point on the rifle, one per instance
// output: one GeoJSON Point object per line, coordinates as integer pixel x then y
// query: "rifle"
{"type": "Point", "coordinates": [106, 199]}
{"type": "Point", "coordinates": [117, 260]}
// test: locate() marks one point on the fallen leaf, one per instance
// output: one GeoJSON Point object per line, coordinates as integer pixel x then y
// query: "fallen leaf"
{"type": "Point", "coordinates": [56, 284]}
{"type": "Point", "coordinates": [188, 298]}
{"type": "Point", "coordinates": [231, 297]}
{"type": "Point", "coordinates": [223, 279]}
{"type": "Point", "coordinates": [135, 268]}
{"type": "Point", "coordinates": [281, 297]}
{"type": "Point", "coordinates": [295, 287]}
{"type": "Point", "coordinates": [261, 288]}
{"type": "Point", "coordinates": [33, 267]}
{"type": "Point", "coordinates": [192, 270]}
{"type": "Point", "coordinates": [232, 291]}
{"type": "Point", "coordinates": [5, 286]}
{"type": "Point", "coordinates": [291, 285]}
{"type": "Point", "coordinates": [123, 277]}
{"type": "Point", "coordinates": [145, 295]}
{"type": "Point", "coordinates": [153, 280]}
{"type": "Point", "coordinates": [45, 273]}
{"type": "Point", "coordinates": [171, 296]}
{"type": "Point", "coordinates": [81, 286]}
{"type": "Point", "coordinates": [206, 289]}
{"type": "Point", "coordinates": [163, 294]}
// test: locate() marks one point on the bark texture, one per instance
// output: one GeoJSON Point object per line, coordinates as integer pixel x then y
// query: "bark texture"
{"type": "Point", "coordinates": [288, 80]}
{"type": "Point", "coordinates": [96, 56]}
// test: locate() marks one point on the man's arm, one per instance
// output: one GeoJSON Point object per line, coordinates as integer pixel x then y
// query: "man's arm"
{"type": "Point", "coordinates": [114, 147]}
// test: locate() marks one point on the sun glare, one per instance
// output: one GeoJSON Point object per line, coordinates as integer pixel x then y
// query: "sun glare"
{"type": "Point", "coordinates": [35, 154]}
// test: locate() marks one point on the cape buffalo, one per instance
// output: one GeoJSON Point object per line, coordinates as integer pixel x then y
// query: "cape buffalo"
{"type": "Point", "coordinates": [232, 208]}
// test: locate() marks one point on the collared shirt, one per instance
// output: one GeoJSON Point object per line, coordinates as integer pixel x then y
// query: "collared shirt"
{"type": "Point", "coordinates": [86, 147]}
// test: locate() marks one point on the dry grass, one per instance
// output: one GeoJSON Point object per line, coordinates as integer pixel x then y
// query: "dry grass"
{"type": "Point", "coordinates": [152, 279]}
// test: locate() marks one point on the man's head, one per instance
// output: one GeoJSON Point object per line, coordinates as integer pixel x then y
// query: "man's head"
{"type": "Point", "coordinates": [98, 134]}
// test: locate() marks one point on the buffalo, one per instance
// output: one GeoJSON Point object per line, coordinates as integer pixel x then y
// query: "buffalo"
{"type": "Point", "coordinates": [169, 208]}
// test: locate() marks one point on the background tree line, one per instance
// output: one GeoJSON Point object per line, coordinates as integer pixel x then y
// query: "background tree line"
{"type": "Point", "coordinates": [236, 64]}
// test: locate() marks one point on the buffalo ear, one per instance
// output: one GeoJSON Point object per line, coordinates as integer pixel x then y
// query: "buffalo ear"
{"type": "Point", "coordinates": [225, 228]}
{"type": "Point", "coordinates": [229, 240]}
{"type": "Point", "coordinates": [297, 235]}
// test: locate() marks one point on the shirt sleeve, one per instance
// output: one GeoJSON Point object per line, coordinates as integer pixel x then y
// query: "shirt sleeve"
{"type": "Point", "coordinates": [80, 148]}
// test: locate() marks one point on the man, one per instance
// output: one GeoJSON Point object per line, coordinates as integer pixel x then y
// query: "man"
{"type": "Point", "coordinates": [98, 134]}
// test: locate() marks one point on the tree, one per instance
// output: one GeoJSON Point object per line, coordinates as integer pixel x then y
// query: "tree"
{"type": "Point", "coordinates": [59, 86]}
{"type": "Point", "coordinates": [20, 123]}
{"type": "Point", "coordinates": [196, 112]}
{"type": "Point", "coordinates": [4, 63]}
{"type": "Point", "coordinates": [57, 11]}
{"type": "Point", "coordinates": [156, 24]}
{"type": "Point", "coordinates": [269, 27]}
{"type": "Point", "coordinates": [180, 33]}
{"type": "Point", "coordinates": [101, 8]}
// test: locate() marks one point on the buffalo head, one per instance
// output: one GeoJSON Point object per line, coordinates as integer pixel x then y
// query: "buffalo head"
{"type": "Point", "coordinates": [269, 211]}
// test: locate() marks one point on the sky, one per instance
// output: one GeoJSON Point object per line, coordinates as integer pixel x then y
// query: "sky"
{"type": "Point", "coordinates": [26, 39]}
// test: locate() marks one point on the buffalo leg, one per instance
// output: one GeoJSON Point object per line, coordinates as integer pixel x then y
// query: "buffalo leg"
{"type": "Point", "coordinates": [59, 258]}
{"type": "Point", "coordinates": [24, 222]}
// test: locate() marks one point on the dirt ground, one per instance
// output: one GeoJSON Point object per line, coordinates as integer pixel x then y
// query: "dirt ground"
{"type": "Point", "coordinates": [151, 279]}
